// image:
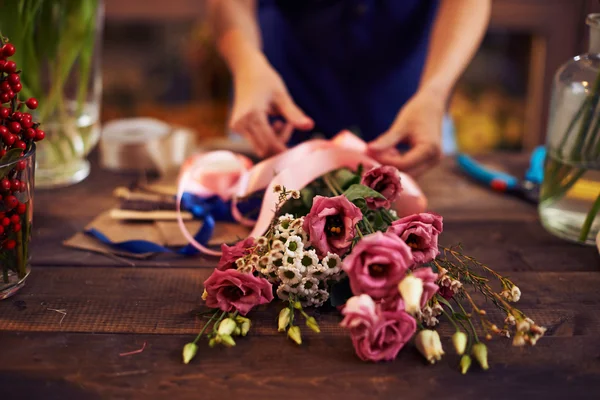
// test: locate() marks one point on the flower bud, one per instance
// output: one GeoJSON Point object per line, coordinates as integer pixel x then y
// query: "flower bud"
{"type": "Point", "coordinates": [311, 322]}
{"type": "Point", "coordinates": [212, 342]}
{"type": "Point", "coordinates": [465, 364]}
{"type": "Point", "coordinates": [189, 352]}
{"type": "Point", "coordinates": [244, 325]}
{"type": "Point", "coordinates": [227, 340]}
{"type": "Point", "coordinates": [227, 327]}
{"type": "Point", "coordinates": [459, 340]}
{"type": "Point", "coordinates": [284, 319]}
{"type": "Point", "coordinates": [294, 334]}
{"type": "Point", "coordinates": [411, 290]}
{"type": "Point", "coordinates": [480, 354]}
{"type": "Point", "coordinates": [204, 295]}
{"type": "Point", "coordinates": [297, 305]}
{"type": "Point", "coordinates": [428, 343]}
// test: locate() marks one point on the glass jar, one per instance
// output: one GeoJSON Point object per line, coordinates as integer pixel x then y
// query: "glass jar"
{"type": "Point", "coordinates": [16, 210]}
{"type": "Point", "coordinates": [59, 50]}
{"type": "Point", "coordinates": [570, 192]}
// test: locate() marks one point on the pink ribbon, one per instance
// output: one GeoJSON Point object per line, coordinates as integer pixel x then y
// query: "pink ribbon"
{"type": "Point", "coordinates": [231, 176]}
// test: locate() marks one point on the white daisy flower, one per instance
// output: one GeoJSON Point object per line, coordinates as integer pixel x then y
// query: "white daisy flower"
{"type": "Point", "coordinates": [320, 297]}
{"type": "Point", "coordinates": [240, 263]}
{"type": "Point", "coordinates": [295, 194]}
{"type": "Point", "coordinates": [393, 213]}
{"type": "Point", "coordinates": [333, 262]}
{"type": "Point", "coordinates": [289, 275]}
{"type": "Point", "coordinates": [284, 291]}
{"type": "Point", "coordinates": [246, 269]}
{"type": "Point", "coordinates": [294, 246]}
{"type": "Point", "coordinates": [277, 188]}
{"type": "Point", "coordinates": [254, 258]}
{"type": "Point", "coordinates": [318, 271]}
{"type": "Point", "coordinates": [308, 286]}
{"type": "Point", "coordinates": [309, 259]}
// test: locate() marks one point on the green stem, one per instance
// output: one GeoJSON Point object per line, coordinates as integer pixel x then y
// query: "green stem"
{"type": "Point", "coordinates": [469, 320]}
{"type": "Point", "coordinates": [451, 319]}
{"type": "Point", "coordinates": [330, 186]}
{"type": "Point", "coordinates": [21, 263]}
{"type": "Point", "coordinates": [589, 220]}
{"type": "Point", "coordinates": [206, 326]}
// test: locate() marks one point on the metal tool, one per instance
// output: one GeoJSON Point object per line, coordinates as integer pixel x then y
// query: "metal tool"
{"type": "Point", "coordinates": [527, 188]}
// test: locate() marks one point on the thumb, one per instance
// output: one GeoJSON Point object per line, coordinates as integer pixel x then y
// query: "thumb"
{"type": "Point", "coordinates": [385, 141]}
{"type": "Point", "coordinates": [292, 113]}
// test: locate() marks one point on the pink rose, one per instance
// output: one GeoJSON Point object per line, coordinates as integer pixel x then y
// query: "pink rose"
{"type": "Point", "coordinates": [430, 288]}
{"type": "Point", "coordinates": [420, 232]}
{"type": "Point", "coordinates": [331, 224]}
{"type": "Point", "coordinates": [377, 335]}
{"type": "Point", "coordinates": [385, 180]}
{"type": "Point", "coordinates": [232, 253]}
{"type": "Point", "coordinates": [231, 290]}
{"type": "Point", "coordinates": [377, 264]}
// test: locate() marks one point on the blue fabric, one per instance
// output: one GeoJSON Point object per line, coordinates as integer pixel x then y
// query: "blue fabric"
{"type": "Point", "coordinates": [349, 64]}
{"type": "Point", "coordinates": [208, 210]}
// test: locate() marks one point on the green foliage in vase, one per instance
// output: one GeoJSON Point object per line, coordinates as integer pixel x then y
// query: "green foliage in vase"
{"type": "Point", "coordinates": [56, 42]}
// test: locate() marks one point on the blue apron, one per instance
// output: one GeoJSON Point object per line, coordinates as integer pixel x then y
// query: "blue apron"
{"type": "Point", "coordinates": [349, 64]}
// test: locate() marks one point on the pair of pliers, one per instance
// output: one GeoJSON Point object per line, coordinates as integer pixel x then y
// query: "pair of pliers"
{"type": "Point", "coordinates": [527, 188]}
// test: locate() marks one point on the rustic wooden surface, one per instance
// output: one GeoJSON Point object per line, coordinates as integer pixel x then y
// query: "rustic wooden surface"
{"type": "Point", "coordinates": [110, 307]}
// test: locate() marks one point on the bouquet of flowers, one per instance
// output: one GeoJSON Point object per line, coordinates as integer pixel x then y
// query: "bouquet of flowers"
{"type": "Point", "coordinates": [339, 242]}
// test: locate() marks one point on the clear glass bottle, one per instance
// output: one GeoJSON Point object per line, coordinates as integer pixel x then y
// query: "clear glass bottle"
{"type": "Point", "coordinates": [570, 193]}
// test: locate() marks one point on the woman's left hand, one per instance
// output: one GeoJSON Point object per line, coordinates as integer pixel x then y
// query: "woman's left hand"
{"type": "Point", "coordinates": [419, 124]}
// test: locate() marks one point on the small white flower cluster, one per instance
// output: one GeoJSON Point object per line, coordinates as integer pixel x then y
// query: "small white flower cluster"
{"type": "Point", "coordinates": [527, 332]}
{"type": "Point", "coordinates": [513, 295]}
{"type": "Point", "coordinates": [296, 267]}
{"type": "Point", "coordinates": [446, 281]}
{"type": "Point", "coordinates": [429, 314]}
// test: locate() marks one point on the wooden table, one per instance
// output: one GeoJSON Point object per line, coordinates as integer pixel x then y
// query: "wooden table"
{"type": "Point", "coordinates": [107, 307]}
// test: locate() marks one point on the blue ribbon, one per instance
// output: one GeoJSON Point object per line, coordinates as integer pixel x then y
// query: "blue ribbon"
{"type": "Point", "coordinates": [208, 210]}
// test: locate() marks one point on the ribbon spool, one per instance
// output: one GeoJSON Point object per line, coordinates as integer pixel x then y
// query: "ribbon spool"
{"type": "Point", "coordinates": [144, 144]}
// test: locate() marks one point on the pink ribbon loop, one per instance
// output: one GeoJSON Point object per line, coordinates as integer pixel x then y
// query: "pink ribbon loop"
{"type": "Point", "coordinates": [232, 176]}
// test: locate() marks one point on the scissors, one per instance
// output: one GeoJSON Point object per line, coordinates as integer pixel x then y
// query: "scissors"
{"type": "Point", "coordinates": [527, 188]}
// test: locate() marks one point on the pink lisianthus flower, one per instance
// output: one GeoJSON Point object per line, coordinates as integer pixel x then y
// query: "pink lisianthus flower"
{"type": "Point", "coordinates": [430, 288]}
{"type": "Point", "coordinates": [232, 253]}
{"type": "Point", "coordinates": [420, 232]}
{"type": "Point", "coordinates": [385, 180]}
{"type": "Point", "coordinates": [377, 264]}
{"type": "Point", "coordinates": [377, 334]}
{"type": "Point", "coordinates": [232, 290]}
{"type": "Point", "coordinates": [331, 224]}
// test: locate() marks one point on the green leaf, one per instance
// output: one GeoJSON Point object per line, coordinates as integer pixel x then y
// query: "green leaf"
{"type": "Point", "coordinates": [11, 156]}
{"type": "Point", "coordinates": [307, 195]}
{"type": "Point", "coordinates": [360, 192]}
{"type": "Point", "coordinates": [362, 204]}
{"type": "Point", "coordinates": [378, 222]}
{"type": "Point", "coordinates": [446, 303]}
{"type": "Point", "coordinates": [345, 178]}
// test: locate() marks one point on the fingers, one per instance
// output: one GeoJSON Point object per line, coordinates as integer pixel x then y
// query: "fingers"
{"type": "Point", "coordinates": [255, 127]}
{"type": "Point", "coordinates": [387, 140]}
{"type": "Point", "coordinates": [292, 113]}
{"type": "Point", "coordinates": [283, 130]}
{"type": "Point", "coordinates": [418, 160]}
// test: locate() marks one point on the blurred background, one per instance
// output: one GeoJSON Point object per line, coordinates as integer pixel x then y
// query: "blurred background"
{"type": "Point", "coordinates": [158, 61]}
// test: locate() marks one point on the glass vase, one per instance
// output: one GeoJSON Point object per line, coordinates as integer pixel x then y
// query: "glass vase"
{"type": "Point", "coordinates": [570, 193]}
{"type": "Point", "coordinates": [16, 210]}
{"type": "Point", "coordinates": [60, 43]}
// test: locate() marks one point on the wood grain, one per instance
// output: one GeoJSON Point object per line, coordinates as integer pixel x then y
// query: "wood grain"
{"type": "Point", "coordinates": [269, 368]}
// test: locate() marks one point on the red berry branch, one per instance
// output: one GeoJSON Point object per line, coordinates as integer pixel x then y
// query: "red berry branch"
{"type": "Point", "coordinates": [18, 132]}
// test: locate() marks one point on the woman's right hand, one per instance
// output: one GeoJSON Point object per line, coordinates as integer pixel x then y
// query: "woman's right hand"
{"type": "Point", "coordinates": [260, 92]}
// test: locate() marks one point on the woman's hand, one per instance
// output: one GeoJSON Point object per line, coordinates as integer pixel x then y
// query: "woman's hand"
{"type": "Point", "coordinates": [419, 123]}
{"type": "Point", "coordinates": [260, 92]}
